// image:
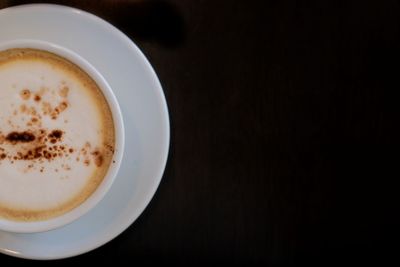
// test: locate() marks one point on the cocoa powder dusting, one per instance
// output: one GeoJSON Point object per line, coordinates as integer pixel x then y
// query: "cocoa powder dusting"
{"type": "Point", "coordinates": [25, 94]}
{"type": "Point", "coordinates": [98, 160]}
{"type": "Point", "coordinates": [23, 137]}
{"type": "Point", "coordinates": [62, 106]}
{"type": "Point", "coordinates": [37, 98]}
{"type": "Point", "coordinates": [23, 108]}
{"type": "Point", "coordinates": [55, 134]}
{"type": "Point", "coordinates": [35, 145]}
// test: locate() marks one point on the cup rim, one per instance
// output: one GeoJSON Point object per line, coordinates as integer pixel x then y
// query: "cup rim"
{"type": "Point", "coordinates": [109, 178]}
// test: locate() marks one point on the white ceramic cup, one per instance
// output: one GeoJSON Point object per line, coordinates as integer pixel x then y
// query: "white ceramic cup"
{"type": "Point", "coordinates": [104, 187]}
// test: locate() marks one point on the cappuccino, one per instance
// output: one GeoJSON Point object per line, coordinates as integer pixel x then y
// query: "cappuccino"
{"type": "Point", "coordinates": [57, 135]}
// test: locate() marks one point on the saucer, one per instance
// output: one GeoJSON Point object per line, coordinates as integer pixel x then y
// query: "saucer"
{"type": "Point", "coordinates": [145, 114]}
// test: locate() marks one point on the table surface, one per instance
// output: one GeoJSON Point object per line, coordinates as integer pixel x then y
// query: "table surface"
{"type": "Point", "coordinates": [284, 131]}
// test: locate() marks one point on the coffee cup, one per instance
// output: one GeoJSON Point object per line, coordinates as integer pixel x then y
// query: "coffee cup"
{"type": "Point", "coordinates": [61, 136]}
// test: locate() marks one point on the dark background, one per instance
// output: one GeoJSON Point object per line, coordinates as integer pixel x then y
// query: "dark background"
{"type": "Point", "coordinates": [285, 131]}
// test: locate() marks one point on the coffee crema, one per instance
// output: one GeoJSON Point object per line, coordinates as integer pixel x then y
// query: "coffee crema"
{"type": "Point", "coordinates": [57, 135]}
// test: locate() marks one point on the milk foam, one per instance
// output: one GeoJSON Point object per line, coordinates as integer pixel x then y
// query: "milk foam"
{"type": "Point", "coordinates": [40, 97]}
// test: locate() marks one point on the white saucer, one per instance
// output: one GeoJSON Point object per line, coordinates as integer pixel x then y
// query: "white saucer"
{"type": "Point", "coordinates": [146, 121]}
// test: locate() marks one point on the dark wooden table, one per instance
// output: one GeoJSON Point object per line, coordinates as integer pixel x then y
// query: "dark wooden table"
{"type": "Point", "coordinates": [285, 131]}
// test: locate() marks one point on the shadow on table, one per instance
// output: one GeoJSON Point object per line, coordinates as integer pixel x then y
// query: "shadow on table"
{"type": "Point", "coordinates": [149, 21]}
